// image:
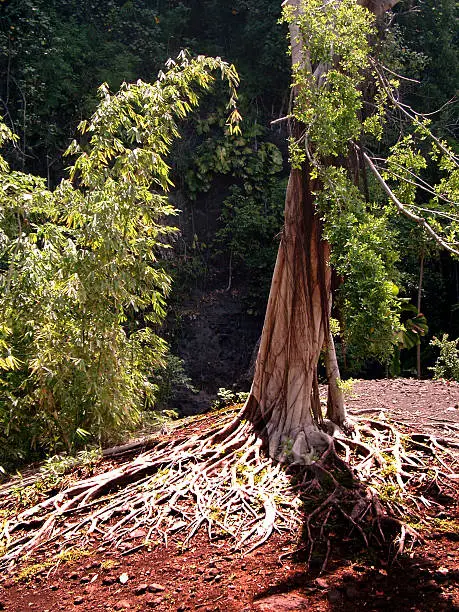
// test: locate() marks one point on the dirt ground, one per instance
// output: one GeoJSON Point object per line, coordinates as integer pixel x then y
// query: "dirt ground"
{"type": "Point", "coordinates": [212, 577]}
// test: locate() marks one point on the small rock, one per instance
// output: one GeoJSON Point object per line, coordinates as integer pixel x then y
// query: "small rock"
{"type": "Point", "coordinates": [73, 575]}
{"type": "Point", "coordinates": [108, 580]}
{"type": "Point", "coordinates": [141, 589]}
{"type": "Point", "coordinates": [177, 526]}
{"type": "Point", "coordinates": [138, 533]}
{"type": "Point", "coordinates": [123, 604]}
{"type": "Point", "coordinates": [430, 585]}
{"type": "Point", "coordinates": [155, 587]}
{"type": "Point", "coordinates": [288, 602]}
{"type": "Point", "coordinates": [78, 600]}
{"type": "Point", "coordinates": [352, 592]}
{"type": "Point", "coordinates": [334, 596]}
{"type": "Point", "coordinates": [94, 564]}
{"type": "Point", "coordinates": [153, 602]}
{"type": "Point", "coordinates": [85, 579]}
{"type": "Point", "coordinates": [54, 587]}
{"type": "Point", "coordinates": [123, 578]}
{"type": "Point", "coordinates": [321, 583]}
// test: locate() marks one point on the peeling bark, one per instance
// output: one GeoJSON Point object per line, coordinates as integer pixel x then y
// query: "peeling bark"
{"type": "Point", "coordinates": [283, 402]}
{"type": "Point", "coordinates": [296, 325]}
{"type": "Point", "coordinates": [336, 410]}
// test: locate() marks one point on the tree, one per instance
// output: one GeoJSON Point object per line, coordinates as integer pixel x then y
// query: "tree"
{"type": "Point", "coordinates": [296, 324]}
{"type": "Point", "coordinates": [83, 294]}
{"type": "Point", "coordinates": [233, 469]}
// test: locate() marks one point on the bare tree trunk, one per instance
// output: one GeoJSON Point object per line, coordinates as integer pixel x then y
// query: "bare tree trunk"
{"type": "Point", "coordinates": [296, 325]}
{"type": "Point", "coordinates": [421, 277]}
{"type": "Point", "coordinates": [283, 399]}
{"type": "Point", "coordinates": [336, 410]}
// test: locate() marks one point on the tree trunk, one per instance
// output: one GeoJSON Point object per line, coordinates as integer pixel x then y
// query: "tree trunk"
{"type": "Point", "coordinates": [421, 278]}
{"type": "Point", "coordinates": [283, 399]}
{"type": "Point", "coordinates": [336, 410]}
{"type": "Point", "coordinates": [296, 325]}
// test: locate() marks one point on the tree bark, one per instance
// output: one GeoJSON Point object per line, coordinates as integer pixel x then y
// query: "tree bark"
{"type": "Point", "coordinates": [283, 399]}
{"type": "Point", "coordinates": [378, 7]}
{"type": "Point", "coordinates": [336, 410]}
{"type": "Point", "coordinates": [296, 325]}
{"type": "Point", "coordinates": [421, 277]}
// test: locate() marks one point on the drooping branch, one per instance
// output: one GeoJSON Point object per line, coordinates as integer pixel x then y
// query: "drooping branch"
{"type": "Point", "coordinates": [411, 114]}
{"type": "Point", "coordinates": [405, 211]}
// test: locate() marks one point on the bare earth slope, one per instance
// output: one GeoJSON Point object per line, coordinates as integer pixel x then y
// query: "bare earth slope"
{"type": "Point", "coordinates": [212, 577]}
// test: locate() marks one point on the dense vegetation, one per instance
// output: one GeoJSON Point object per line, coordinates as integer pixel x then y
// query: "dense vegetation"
{"type": "Point", "coordinates": [66, 378]}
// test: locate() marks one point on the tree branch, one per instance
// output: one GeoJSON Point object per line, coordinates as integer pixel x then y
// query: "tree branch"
{"type": "Point", "coordinates": [407, 213]}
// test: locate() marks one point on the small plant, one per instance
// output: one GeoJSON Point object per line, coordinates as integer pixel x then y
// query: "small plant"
{"type": "Point", "coordinates": [109, 564]}
{"type": "Point", "coordinates": [52, 474]}
{"type": "Point", "coordinates": [447, 364]}
{"type": "Point", "coordinates": [347, 387]}
{"type": "Point", "coordinates": [227, 397]}
{"type": "Point", "coordinates": [66, 556]}
{"type": "Point", "coordinates": [389, 492]}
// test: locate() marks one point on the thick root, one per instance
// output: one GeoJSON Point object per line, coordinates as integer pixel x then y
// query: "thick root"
{"type": "Point", "coordinates": [222, 481]}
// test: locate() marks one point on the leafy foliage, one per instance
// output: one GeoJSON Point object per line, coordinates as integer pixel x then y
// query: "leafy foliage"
{"type": "Point", "coordinates": [335, 41]}
{"type": "Point", "coordinates": [335, 126]}
{"type": "Point", "coordinates": [447, 365]}
{"type": "Point", "coordinates": [82, 291]}
{"type": "Point", "coordinates": [363, 255]}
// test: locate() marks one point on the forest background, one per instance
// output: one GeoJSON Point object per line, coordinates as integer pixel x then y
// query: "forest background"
{"type": "Point", "coordinates": [229, 189]}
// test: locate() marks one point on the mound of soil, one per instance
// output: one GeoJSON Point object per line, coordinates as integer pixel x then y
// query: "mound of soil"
{"type": "Point", "coordinates": [210, 576]}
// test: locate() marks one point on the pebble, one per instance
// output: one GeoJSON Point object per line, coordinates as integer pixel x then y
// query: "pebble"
{"type": "Point", "coordinates": [141, 589]}
{"type": "Point", "coordinates": [155, 587]}
{"type": "Point", "coordinates": [321, 583]}
{"type": "Point", "coordinates": [78, 600]}
{"type": "Point", "coordinates": [352, 592]}
{"type": "Point", "coordinates": [288, 602]}
{"type": "Point", "coordinates": [108, 580]}
{"type": "Point", "coordinates": [153, 602]}
{"type": "Point", "coordinates": [334, 596]}
{"type": "Point", "coordinates": [85, 579]}
{"type": "Point", "coordinates": [122, 604]}
{"type": "Point", "coordinates": [138, 533]}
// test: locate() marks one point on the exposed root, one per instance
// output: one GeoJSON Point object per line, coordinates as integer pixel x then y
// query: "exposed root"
{"type": "Point", "coordinates": [221, 480]}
